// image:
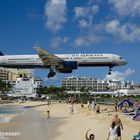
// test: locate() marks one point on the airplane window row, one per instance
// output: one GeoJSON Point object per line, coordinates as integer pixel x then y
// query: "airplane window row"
{"type": "Point", "coordinates": [87, 55]}
{"type": "Point", "coordinates": [65, 58]}
{"type": "Point", "coordinates": [98, 57]}
{"type": "Point", "coordinates": [19, 59]}
{"type": "Point", "coordinates": [92, 57]}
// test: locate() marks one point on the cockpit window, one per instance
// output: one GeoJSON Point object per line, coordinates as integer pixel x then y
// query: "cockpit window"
{"type": "Point", "coordinates": [120, 57]}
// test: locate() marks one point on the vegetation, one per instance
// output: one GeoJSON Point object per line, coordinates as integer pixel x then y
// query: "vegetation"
{"type": "Point", "coordinates": [4, 86]}
{"type": "Point", "coordinates": [52, 90]}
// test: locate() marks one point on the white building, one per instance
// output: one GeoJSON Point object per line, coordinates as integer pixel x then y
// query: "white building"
{"type": "Point", "coordinates": [128, 92]}
{"type": "Point", "coordinates": [83, 83]}
{"type": "Point", "coordinates": [77, 85]}
{"type": "Point", "coordinates": [28, 87]}
{"type": "Point", "coordinates": [14, 74]}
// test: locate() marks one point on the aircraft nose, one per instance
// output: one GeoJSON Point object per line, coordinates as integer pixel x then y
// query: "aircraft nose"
{"type": "Point", "coordinates": [124, 62]}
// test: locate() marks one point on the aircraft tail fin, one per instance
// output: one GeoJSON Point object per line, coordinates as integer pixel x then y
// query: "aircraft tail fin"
{"type": "Point", "coordinates": [1, 54]}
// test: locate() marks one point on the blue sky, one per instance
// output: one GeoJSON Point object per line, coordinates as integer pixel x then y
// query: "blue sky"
{"type": "Point", "coordinates": [74, 26]}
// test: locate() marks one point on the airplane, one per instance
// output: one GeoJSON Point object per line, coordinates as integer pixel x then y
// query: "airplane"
{"type": "Point", "coordinates": [62, 63]}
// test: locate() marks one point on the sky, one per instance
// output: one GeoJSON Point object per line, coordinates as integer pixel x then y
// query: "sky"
{"type": "Point", "coordinates": [74, 26]}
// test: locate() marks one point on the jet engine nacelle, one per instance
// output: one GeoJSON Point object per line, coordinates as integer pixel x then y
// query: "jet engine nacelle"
{"type": "Point", "coordinates": [68, 65]}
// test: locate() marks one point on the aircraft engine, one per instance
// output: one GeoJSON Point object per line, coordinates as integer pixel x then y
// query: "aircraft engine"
{"type": "Point", "coordinates": [67, 66]}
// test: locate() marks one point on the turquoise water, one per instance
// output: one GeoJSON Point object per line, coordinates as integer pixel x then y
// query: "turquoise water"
{"type": "Point", "coordinates": [7, 110]}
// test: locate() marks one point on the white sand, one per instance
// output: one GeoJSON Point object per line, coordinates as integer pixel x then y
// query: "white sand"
{"type": "Point", "coordinates": [64, 126]}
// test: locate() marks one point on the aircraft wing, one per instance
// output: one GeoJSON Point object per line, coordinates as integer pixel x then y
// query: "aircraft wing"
{"type": "Point", "coordinates": [47, 58]}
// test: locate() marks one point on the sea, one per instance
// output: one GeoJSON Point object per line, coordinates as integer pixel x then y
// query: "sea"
{"type": "Point", "coordinates": [7, 112]}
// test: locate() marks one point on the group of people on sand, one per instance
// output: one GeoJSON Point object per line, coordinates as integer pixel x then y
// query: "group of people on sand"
{"type": "Point", "coordinates": [94, 106]}
{"type": "Point", "coordinates": [126, 106]}
{"type": "Point", "coordinates": [114, 130]}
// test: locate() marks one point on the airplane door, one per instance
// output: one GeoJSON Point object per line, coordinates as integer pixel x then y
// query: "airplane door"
{"type": "Point", "coordinates": [84, 59]}
{"type": "Point", "coordinates": [114, 60]}
{"type": "Point", "coordinates": [3, 60]}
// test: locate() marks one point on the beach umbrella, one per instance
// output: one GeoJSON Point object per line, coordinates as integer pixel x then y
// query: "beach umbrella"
{"type": "Point", "coordinates": [123, 103]}
{"type": "Point", "coordinates": [136, 117]}
{"type": "Point", "coordinates": [138, 108]}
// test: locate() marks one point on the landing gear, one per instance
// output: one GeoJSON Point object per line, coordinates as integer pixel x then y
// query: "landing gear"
{"type": "Point", "coordinates": [110, 69]}
{"type": "Point", "coordinates": [51, 73]}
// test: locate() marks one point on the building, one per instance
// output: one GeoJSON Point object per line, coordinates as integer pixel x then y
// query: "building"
{"type": "Point", "coordinates": [128, 92]}
{"type": "Point", "coordinates": [75, 85]}
{"type": "Point", "coordinates": [13, 74]}
{"type": "Point", "coordinates": [29, 87]}
{"type": "Point", "coordinates": [3, 74]}
{"type": "Point", "coordinates": [84, 84]}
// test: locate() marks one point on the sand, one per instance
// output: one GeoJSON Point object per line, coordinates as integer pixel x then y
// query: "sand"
{"type": "Point", "coordinates": [66, 126]}
{"type": "Point", "coordinates": [63, 126]}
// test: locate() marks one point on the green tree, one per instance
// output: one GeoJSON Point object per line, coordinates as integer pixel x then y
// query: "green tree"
{"type": "Point", "coordinates": [4, 86]}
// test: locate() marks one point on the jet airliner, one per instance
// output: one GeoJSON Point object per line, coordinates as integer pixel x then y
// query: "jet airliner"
{"type": "Point", "coordinates": [63, 63]}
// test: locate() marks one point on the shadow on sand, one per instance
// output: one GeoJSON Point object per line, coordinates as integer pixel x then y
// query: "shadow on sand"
{"type": "Point", "coordinates": [27, 107]}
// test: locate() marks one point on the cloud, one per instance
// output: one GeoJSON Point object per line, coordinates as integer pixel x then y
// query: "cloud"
{"type": "Point", "coordinates": [59, 41]}
{"type": "Point", "coordinates": [126, 7]}
{"type": "Point", "coordinates": [120, 76]}
{"type": "Point", "coordinates": [85, 15]}
{"type": "Point", "coordinates": [85, 11]}
{"type": "Point", "coordinates": [127, 32]}
{"type": "Point", "coordinates": [83, 23]}
{"type": "Point", "coordinates": [55, 13]}
{"type": "Point", "coordinates": [86, 40]}
{"type": "Point", "coordinates": [129, 72]}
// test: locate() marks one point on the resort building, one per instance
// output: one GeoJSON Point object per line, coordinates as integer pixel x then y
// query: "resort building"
{"type": "Point", "coordinates": [29, 87]}
{"type": "Point", "coordinates": [13, 74]}
{"type": "Point", "coordinates": [76, 85]}
{"type": "Point", "coordinates": [88, 84]}
{"type": "Point", "coordinates": [3, 74]}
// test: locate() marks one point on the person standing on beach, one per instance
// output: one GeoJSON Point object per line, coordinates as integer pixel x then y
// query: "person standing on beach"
{"type": "Point", "coordinates": [112, 135]}
{"type": "Point", "coordinates": [98, 109]}
{"type": "Point", "coordinates": [48, 112]}
{"type": "Point", "coordinates": [93, 105]}
{"type": "Point", "coordinates": [117, 120]}
{"type": "Point", "coordinates": [71, 109]}
{"type": "Point", "coordinates": [91, 136]}
{"type": "Point", "coordinates": [116, 105]}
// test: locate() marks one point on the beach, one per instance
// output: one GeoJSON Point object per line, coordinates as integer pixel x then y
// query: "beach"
{"type": "Point", "coordinates": [34, 124]}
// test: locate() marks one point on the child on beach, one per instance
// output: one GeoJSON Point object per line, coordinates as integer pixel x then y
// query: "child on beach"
{"type": "Point", "coordinates": [48, 112]}
{"type": "Point", "coordinates": [71, 109]}
{"type": "Point", "coordinates": [98, 109]}
{"type": "Point", "coordinates": [91, 136]}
